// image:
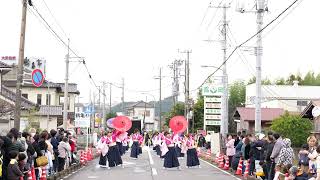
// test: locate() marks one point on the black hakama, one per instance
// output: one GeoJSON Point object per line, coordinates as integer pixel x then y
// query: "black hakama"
{"type": "Point", "coordinates": [171, 159]}
{"type": "Point", "coordinates": [135, 150]}
{"type": "Point", "coordinates": [113, 156]}
{"type": "Point", "coordinates": [119, 144]}
{"type": "Point", "coordinates": [178, 151]}
{"type": "Point", "coordinates": [124, 149]}
{"type": "Point", "coordinates": [192, 158]}
{"type": "Point", "coordinates": [140, 150]}
{"type": "Point", "coordinates": [158, 150]}
{"type": "Point", "coordinates": [103, 160]}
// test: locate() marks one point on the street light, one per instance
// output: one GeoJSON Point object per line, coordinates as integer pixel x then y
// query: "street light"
{"type": "Point", "coordinates": [207, 66]}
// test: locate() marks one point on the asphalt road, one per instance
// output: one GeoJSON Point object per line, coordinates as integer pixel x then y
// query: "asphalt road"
{"type": "Point", "coordinates": [150, 167]}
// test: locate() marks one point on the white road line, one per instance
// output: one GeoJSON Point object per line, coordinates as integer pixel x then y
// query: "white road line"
{"type": "Point", "coordinates": [220, 169]}
{"type": "Point", "coordinates": [150, 157]}
{"type": "Point", "coordinates": [154, 171]}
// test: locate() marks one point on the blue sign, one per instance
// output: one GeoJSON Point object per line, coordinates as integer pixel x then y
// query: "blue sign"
{"type": "Point", "coordinates": [37, 77]}
{"type": "Point", "coordinates": [89, 109]}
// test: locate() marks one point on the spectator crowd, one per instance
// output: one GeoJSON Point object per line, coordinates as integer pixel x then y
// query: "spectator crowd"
{"type": "Point", "coordinates": [270, 155]}
{"type": "Point", "coordinates": [23, 152]}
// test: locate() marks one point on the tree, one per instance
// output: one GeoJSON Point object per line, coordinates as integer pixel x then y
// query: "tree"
{"type": "Point", "coordinates": [293, 127]}
{"type": "Point", "coordinates": [198, 109]}
{"type": "Point", "coordinates": [292, 78]}
{"type": "Point", "coordinates": [265, 81]}
{"type": "Point", "coordinates": [237, 97]}
{"type": "Point", "coordinates": [110, 115]}
{"type": "Point", "coordinates": [280, 81]}
{"type": "Point", "coordinates": [177, 110]}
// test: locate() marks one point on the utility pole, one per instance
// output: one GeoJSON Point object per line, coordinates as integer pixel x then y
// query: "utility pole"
{"type": "Point", "coordinates": [104, 105]}
{"type": "Point", "coordinates": [175, 66]}
{"type": "Point", "coordinates": [66, 91]}
{"type": "Point", "coordinates": [123, 110]}
{"type": "Point", "coordinates": [160, 101]}
{"type": "Point", "coordinates": [17, 113]}
{"type": "Point", "coordinates": [261, 7]}
{"type": "Point", "coordinates": [186, 100]}
{"type": "Point", "coordinates": [224, 103]}
{"type": "Point", "coordinates": [110, 89]}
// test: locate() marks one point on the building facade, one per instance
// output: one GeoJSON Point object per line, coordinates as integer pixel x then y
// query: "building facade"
{"type": "Point", "coordinates": [143, 116]}
{"type": "Point", "coordinates": [293, 98]}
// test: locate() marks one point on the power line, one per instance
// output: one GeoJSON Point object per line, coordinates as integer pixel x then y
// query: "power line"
{"type": "Point", "coordinates": [65, 44]}
{"type": "Point", "coordinates": [250, 38]}
{"type": "Point", "coordinates": [214, 15]}
{"type": "Point", "coordinates": [55, 18]}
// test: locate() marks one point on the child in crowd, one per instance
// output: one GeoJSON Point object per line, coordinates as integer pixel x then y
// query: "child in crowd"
{"type": "Point", "coordinates": [14, 172]}
{"type": "Point", "coordinates": [296, 173]}
{"type": "Point", "coordinates": [22, 163]}
{"type": "Point", "coordinates": [303, 158]}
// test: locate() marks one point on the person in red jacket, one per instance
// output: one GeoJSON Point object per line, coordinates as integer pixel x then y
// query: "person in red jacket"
{"type": "Point", "coordinates": [73, 145]}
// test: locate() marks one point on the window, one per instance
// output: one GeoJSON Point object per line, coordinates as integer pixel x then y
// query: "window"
{"type": "Point", "coordinates": [25, 96]}
{"type": "Point", "coordinates": [39, 99]}
{"type": "Point", "coordinates": [61, 102]}
{"type": "Point", "coordinates": [148, 113]}
{"type": "Point", "coordinates": [48, 99]}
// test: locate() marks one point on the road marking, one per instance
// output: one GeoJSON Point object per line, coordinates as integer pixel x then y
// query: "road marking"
{"type": "Point", "coordinates": [150, 157]}
{"type": "Point", "coordinates": [220, 169]}
{"type": "Point", "coordinates": [154, 171]}
{"type": "Point", "coordinates": [92, 177]}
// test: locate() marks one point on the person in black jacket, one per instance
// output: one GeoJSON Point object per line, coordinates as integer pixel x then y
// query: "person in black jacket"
{"type": "Point", "coordinates": [31, 152]}
{"type": "Point", "coordinates": [55, 144]}
{"type": "Point", "coordinates": [267, 163]}
{"type": "Point", "coordinates": [35, 144]}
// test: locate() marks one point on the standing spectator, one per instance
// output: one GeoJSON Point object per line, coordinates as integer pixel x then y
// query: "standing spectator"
{"type": "Point", "coordinates": [38, 150]}
{"type": "Point", "coordinates": [256, 151]}
{"type": "Point", "coordinates": [31, 153]}
{"type": "Point", "coordinates": [64, 148]}
{"type": "Point", "coordinates": [55, 144]}
{"type": "Point", "coordinates": [231, 151]}
{"type": "Point", "coordinates": [268, 148]}
{"type": "Point", "coordinates": [1, 157]}
{"type": "Point", "coordinates": [208, 141]}
{"type": "Point", "coordinates": [14, 172]}
{"type": "Point", "coordinates": [312, 155]}
{"type": "Point", "coordinates": [22, 164]}
{"type": "Point", "coordinates": [238, 139]}
{"type": "Point", "coordinates": [303, 158]}
{"type": "Point", "coordinates": [286, 154]}
{"type": "Point", "coordinates": [73, 146]}
{"type": "Point", "coordinates": [201, 141]}
{"type": "Point", "coordinates": [276, 152]}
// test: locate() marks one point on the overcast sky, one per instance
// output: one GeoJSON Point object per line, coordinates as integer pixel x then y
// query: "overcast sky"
{"type": "Point", "coordinates": [133, 38]}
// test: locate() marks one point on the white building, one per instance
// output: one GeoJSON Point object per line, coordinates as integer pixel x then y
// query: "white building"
{"type": "Point", "coordinates": [144, 114]}
{"type": "Point", "coordinates": [291, 98]}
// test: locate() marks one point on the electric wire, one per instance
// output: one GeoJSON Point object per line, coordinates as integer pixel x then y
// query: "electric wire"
{"type": "Point", "coordinates": [250, 38]}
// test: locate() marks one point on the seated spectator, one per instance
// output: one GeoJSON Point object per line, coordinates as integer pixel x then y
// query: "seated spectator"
{"type": "Point", "coordinates": [303, 158]}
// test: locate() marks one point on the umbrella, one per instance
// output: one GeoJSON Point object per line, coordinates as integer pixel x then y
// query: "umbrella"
{"type": "Point", "coordinates": [122, 123]}
{"type": "Point", "coordinates": [109, 123]}
{"type": "Point", "coordinates": [178, 124]}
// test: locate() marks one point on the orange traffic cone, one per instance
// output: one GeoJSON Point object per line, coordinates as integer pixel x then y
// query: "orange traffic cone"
{"type": "Point", "coordinates": [221, 163]}
{"type": "Point", "coordinates": [239, 169]}
{"type": "Point", "coordinates": [216, 160]}
{"type": "Point", "coordinates": [82, 160]}
{"type": "Point", "coordinates": [246, 172]}
{"type": "Point", "coordinates": [85, 156]}
{"type": "Point", "coordinates": [44, 173]}
{"type": "Point", "coordinates": [208, 154]}
{"type": "Point", "coordinates": [226, 165]}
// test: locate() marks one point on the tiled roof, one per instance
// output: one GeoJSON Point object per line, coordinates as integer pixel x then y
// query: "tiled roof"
{"type": "Point", "coordinates": [52, 110]}
{"type": "Point", "coordinates": [267, 114]}
{"type": "Point", "coordinates": [60, 86]}
{"type": "Point", "coordinates": [6, 92]}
